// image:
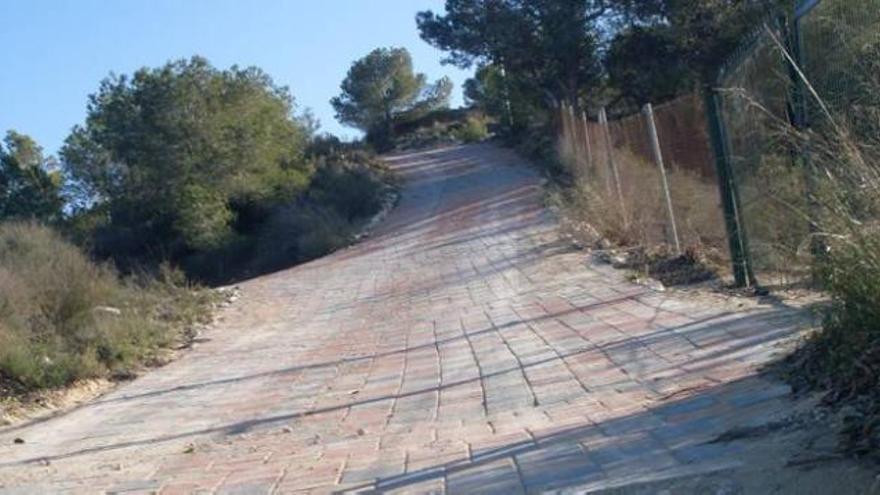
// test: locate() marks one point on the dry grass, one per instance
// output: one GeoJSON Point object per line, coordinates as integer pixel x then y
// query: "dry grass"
{"type": "Point", "coordinates": [841, 200]}
{"type": "Point", "coordinates": [640, 220]}
{"type": "Point", "coordinates": [63, 317]}
{"type": "Point", "coordinates": [810, 199]}
{"type": "Point", "coordinates": [844, 358]}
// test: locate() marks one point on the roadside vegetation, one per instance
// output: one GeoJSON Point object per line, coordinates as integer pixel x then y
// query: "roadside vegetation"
{"type": "Point", "coordinates": [181, 176]}
{"type": "Point", "coordinates": [350, 186]}
{"type": "Point", "coordinates": [844, 358]}
{"type": "Point", "coordinates": [188, 174]}
{"type": "Point", "coordinates": [381, 89]}
{"type": "Point", "coordinates": [64, 317]}
{"type": "Point", "coordinates": [532, 58]}
{"type": "Point", "coordinates": [396, 107]}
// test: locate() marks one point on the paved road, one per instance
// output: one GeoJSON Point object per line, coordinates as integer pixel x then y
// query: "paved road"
{"type": "Point", "coordinates": [462, 348]}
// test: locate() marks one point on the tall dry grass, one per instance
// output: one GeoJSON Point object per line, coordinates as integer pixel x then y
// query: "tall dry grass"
{"type": "Point", "coordinates": [845, 210]}
{"type": "Point", "coordinates": [833, 194]}
{"type": "Point", "coordinates": [844, 357]}
{"type": "Point", "coordinates": [63, 317]}
{"type": "Point", "coordinates": [636, 217]}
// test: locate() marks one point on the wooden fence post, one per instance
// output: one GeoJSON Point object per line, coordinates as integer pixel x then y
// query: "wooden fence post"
{"type": "Point", "coordinates": [575, 148]}
{"type": "Point", "coordinates": [588, 147]}
{"type": "Point", "coordinates": [648, 110]}
{"type": "Point", "coordinates": [615, 176]}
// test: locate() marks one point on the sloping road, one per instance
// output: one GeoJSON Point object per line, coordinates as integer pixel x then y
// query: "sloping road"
{"type": "Point", "coordinates": [463, 348]}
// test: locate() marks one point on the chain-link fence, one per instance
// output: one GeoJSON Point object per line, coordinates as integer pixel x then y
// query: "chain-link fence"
{"type": "Point", "coordinates": [764, 166]}
{"type": "Point", "coordinates": [647, 179]}
{"type": "Point", "coordinates": [789, 99]}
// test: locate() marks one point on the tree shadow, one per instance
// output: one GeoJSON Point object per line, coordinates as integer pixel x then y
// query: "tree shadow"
{"type": "Point", "coordinates": [438, 173]}
{"type": "Point", "coordinates": [679, 438]}
{"type": "Point", "coordinates": [732, 393]}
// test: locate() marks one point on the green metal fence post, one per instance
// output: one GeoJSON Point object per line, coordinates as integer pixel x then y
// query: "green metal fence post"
{"type": "Point", "coordinates": [736, 234]}
{"type": "Point", "coordinates": [800, 120]}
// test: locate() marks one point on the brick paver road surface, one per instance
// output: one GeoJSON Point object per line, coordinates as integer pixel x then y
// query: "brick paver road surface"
{"type": "Point", "coordinates": [462, 348]}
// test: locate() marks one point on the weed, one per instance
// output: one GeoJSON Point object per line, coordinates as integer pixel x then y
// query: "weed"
{"type": "Point", "coordinates": [63, 317]}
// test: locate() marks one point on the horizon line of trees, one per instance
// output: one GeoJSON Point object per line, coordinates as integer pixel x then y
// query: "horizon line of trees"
{"type": "Point", "coordinates": [186, 160]}
{"type": "Point", "coordinates": [530, 56]}
{"type": "Point", "coordinates": [382, 91]}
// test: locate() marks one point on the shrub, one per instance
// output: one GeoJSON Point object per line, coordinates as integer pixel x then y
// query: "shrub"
{"type": "Point", "coordinates": [538, 144]}
{"type": "Point", "coordinates": [442, 127]}
{"type": "Point", "coordinates": [642, 220]}
{"type": "Point", "coordinates": [844, 357]}
{"type": "Point", "coordinates": [474, 129]}
{"type": "Point", "coordinates": [352, 188]}
{"type": "Point", "coordinates": [176, 177]}
{"type": "Point", "coordinates": [203, 218]}
{"type": "Point", "coordinates": [63, 317]}
{"type": "Point", "coordinates": [346, 191]}
{"type": "Point", "coordinates": [298, 233]}
{"type": "Point", "coordinates": [28, 190]}
{"type": "Point", "coordinates": [844, 207]}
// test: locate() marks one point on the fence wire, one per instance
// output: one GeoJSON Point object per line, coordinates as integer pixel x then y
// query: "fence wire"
{"type": "Point", "coordinates": [621, 187]}
{"type": "Point", "coordinates": [796, 129]}
{"type": "Point", "coordinates": [790, 98]}
{"type": "Point", "coordinates": [772, 200]}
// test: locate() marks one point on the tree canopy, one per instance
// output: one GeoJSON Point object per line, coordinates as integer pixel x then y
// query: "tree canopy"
{"type": "Point", "coordinates": [588, 51]}
{"type": "Point", "coordinates": [382, 88]}
{"type": "Point", "coordinates": [666, 47]}
{"type": "Point", "coordinates": [175, 153]}
{"type": "Point", "coordinates": [28, 189]}
{"type": "Point", "coordinates": [549, 47]}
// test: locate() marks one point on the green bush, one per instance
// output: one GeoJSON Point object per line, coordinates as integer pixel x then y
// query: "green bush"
{"type": "Point", "coordinates": [345, 192]}
{"type": "Point", "coordinates": [321, 231]}
{"type": "Point", "coordinates": [173, 180]}
{"type": "Point", "coordinates": [442, 127]}
{"type": "Point", "coordinates": [844, 357]}
{"type": "Point", "coordinates": [473, 130]}
{"type": "Point", "coordinates": [28, 190]}
{"type": "Point", "coordinates": [352, 188]}
{"type": "Point", "coordinates": [204, 218]}
{"type": "Point", "coordinates": [852, 323]}
{"type": "Point", "coordinates": [63, 317]}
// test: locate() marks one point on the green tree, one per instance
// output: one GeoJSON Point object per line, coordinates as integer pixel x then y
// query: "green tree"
{"type": "Point", "coordinates": [502, 96]}
{"type": "Point", "coordinates": [28, 188]}
{"type": "Point", "coordinates": [645, 65]}
{"type": "Point", "coordinates": [381, 89]}
{"type": "Point", "coordinates": [590, 51]}
{"type": "Point", "coordinates": [549, 48]}
{"type": "Point", "coordinates": [177, 153]}
{"type": "Point", "coordinates": [666, 47]}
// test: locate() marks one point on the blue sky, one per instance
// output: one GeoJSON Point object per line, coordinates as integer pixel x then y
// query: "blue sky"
{"type": "Point", "coordinates": [55, 52]}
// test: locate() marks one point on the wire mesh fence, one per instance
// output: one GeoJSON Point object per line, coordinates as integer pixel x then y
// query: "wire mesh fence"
{"type": "Point", "coordinates": [755, 92]}
{"type": "Point", "coordinates": [787, 98]}
{"type": "Point", "coordinates": [785, 157]}
{"type": "Point", "coordinates": [647, 185]}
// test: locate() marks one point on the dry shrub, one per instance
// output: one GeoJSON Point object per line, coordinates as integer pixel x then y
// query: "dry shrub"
{"type": "Point", "coordinates": [843, 204]}
{"type": "Point", "coordinates": [342, 198]}
{"type": "Point", "coordinates": [844, 357]}
{"type": "Point", "coordinates": [774, 211]}
{"type": "Point", "coordinates": [299, 233]}
{"type": "Point", "coordinates": [474, 129]}
{"type": "Point", "coordinates": [63, 317]}
{"type": "Point", "coordinates": [641, 219]}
